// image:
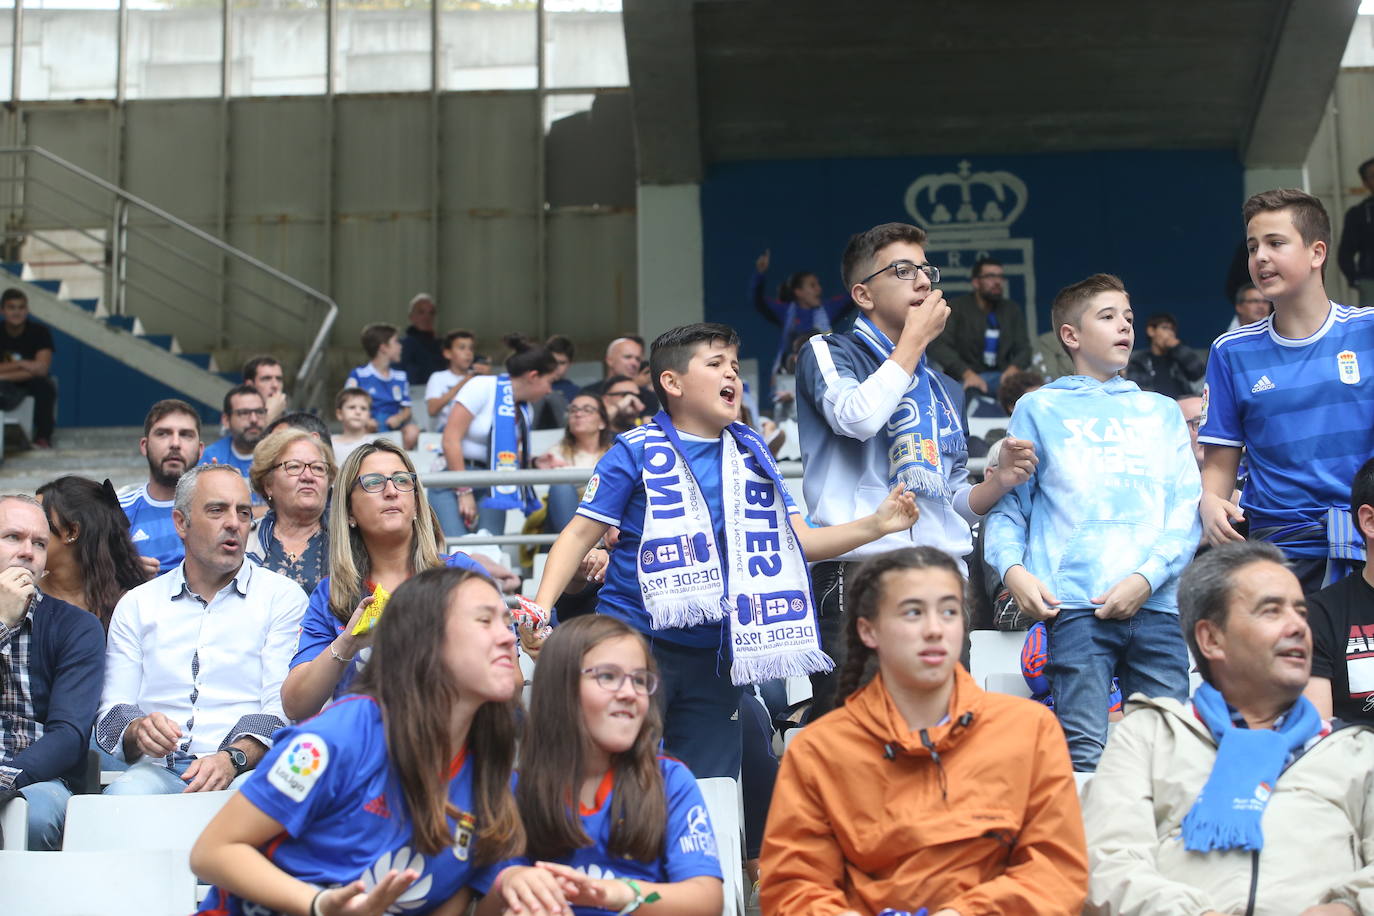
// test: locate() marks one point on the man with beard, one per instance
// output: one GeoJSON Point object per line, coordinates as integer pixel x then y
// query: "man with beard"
{"type": "Point", "coordinates": [195, 658]}
{"type": "Point", "coordinates": [245, 416]}
{"type": "Point", "coordinates": [171, 443]}
{"type": "Point", "coordinates": [985, 339]}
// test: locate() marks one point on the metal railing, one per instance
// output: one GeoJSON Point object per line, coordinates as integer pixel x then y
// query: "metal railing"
{"type": "Point", "coordinates": [148, 257]}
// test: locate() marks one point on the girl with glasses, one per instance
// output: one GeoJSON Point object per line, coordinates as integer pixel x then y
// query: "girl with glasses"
{"type": "Point", "coordinates": [381, 533]}
{"type": "Point", "coordinates": [637, 831]}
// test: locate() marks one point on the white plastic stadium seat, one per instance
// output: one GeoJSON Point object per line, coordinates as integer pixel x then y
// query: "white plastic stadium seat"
{"type": "Point", "coordinates": [1006, 682]}
{"type": "Point", "coordinates": [14, 823]}
{"type": "Point", "coordinates": [723, 804]}
{"type": "Point", "coordinates": [123, 883]}
{"type": "Point", "coordinates": [995, 652]}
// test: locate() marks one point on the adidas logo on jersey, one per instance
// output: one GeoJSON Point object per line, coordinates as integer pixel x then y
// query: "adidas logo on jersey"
{"type": "Point", "coordinates": [1263, 385]}
{"type": "Point", "coordinates": [140, 535]}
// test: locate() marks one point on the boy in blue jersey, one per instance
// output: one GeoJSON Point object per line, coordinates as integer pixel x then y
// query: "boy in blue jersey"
{"type": "Point", "coordinates": [1296, 391]}
{"type": "Point", "coordinates": [1095, 540]}
{"type": "Point", "coordinates": [710, 541]}
{"type": "Point", "coordinates": [171, 443]}
{"type": "Point", "coordinates": [386, 383]}
{"type": "Point", "coordinates": [871, 413]}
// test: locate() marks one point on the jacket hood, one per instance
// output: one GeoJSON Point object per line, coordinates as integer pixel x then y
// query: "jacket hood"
{"type": "Point", "coordinates": [874, 711]}
{"type": "Point", "coordinates": [1114, 385]}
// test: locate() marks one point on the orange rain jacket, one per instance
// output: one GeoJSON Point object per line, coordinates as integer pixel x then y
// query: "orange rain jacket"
{"type": "Point", "coordinates": [864, 815]}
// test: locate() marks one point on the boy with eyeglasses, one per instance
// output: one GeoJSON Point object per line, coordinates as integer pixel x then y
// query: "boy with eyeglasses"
{"type": "Point", "coordinates": [872, 413]}
{"type": "Point", "coordinates": [245, 418]}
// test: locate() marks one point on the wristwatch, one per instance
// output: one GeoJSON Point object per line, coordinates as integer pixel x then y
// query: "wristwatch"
{"type": "Point", "coordinates": [239, 759]}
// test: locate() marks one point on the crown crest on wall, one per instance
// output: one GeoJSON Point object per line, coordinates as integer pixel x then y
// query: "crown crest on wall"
{"type": "Point", "coordinates": [967, 202]}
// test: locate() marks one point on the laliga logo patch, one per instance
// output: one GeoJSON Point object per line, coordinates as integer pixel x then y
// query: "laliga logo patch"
{"type": "Point", "coordinates": [465, 828]}
{"type": "Point", "coordinates": [396, 392]}
{"type": "Point", "coordinates": [299, 766]}
{"type": "Point", "coordinates": [592, 484]}
{"type": "Point", "coordinates": [1348, 367]}
{"type": "Point", "coordinates": [1206, 399]}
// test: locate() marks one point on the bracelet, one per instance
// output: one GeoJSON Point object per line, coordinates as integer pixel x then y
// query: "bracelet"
{"type": "Point", "coordinates": [315, 903]}
{"type": "Point", "coordinates": [639, 900]}
{"type": "Point", "coordinates": [339, 658]}
{"type": "Point", "coordinates": [463, 491]}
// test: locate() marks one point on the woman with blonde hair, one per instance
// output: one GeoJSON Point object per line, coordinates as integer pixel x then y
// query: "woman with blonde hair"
{"type": "Point", "coordinates": [380, 535]}
{"type": "Point", "coordinates": [292, 471]}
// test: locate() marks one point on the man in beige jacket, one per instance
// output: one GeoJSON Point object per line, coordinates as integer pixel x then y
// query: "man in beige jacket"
{"type": "Point", "coordinates": [1286, 824]}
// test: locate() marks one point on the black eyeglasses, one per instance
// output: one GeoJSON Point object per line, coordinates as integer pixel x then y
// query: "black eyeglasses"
{"type": "Point", "coordinates": [293, 468]}
{"type": "Point", "coordinates": [404, 481]}
{"type": "Point", "coordinates": [905, 270]}
{"type": "Point", "coordinates": [250, 411]}
{"type": "Point", "coordinates": [612, 678]}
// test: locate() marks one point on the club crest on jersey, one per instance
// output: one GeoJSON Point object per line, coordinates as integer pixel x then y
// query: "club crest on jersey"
{"type": "Point", "coordinates": [1348, 367]}
{"type": "Point", "coordinates": [465, 828]}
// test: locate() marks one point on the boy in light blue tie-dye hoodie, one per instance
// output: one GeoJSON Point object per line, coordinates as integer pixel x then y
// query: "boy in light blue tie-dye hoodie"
{"type": "Point", "coordinates": [1095, 540]}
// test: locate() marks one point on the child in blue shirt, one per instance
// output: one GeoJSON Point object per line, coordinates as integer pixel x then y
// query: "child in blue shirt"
{"type": "Point", "coordinates": [706, 526]}
{"type": "Point", "coordinates": [398, 798]}
{"type": "Point", "coordinates": [1291, 391]}
{"type": "Point", "coordinates": [1095, 540]}
{"type": "Point", "coordinates": [385, 383]}
{"type": "Point", "coordinates": [640, 828]}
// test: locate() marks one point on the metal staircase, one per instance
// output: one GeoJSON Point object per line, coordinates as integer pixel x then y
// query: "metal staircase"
{"type": "Point", "coordinates": [153, 273]}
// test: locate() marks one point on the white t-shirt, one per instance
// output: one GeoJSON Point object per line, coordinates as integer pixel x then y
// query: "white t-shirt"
{"type": "Point", "coordinates": [479, 397]}
{"type": "Point", "coordinates": [438, 385]}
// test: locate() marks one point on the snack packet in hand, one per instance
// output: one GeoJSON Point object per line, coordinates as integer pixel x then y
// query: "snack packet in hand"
{"type": "Point", "coordinates": [380, 597]}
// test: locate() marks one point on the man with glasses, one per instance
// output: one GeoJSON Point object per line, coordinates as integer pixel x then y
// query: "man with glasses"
{"type": "Point", "coordinates": [872, 413]}
{"type": "Point", "coordinates": [195, 658]}
{"type": "Point", "coordinates": [624, 403]}
{"type": "Point", "coordinates": [245, 417]}
{"type": "Point", "coordinates": [1251, 306]}
{"type": "Point", "coordinates": [985, 339]}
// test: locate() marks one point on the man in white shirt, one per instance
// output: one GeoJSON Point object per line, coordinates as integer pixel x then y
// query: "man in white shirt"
{"type": "Point", "coordinates": [195, 658]}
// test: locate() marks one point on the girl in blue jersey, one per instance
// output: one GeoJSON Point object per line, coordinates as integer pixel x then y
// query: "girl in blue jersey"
{"type": "Point", "coordinates": [396, 798]}
{"type": "Point", "coordinates": [640, 835]}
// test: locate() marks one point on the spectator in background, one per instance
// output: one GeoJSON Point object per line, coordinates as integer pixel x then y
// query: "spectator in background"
{"type": "Point", "coordinates": [489, 428]}
{"type": "Point", "coordinates": [1242, 800]}
{"type": "Point", "coordinates": [1356, 254]}
{"type": "Point", "coordinates": [352, 408]}
{"type": "Point", "coordinates": [1166, 366]}
{"type": "Point", "coordinates": [800, 309]}
{"type": "Point", "coordinates": [53, 657]}
{"type": "Point", "coordinates": [1050, 359]}
{"type": "Point", "coordinates": [387, 385]}
{"type": "Point", "coordinates": [91, 560]}
{"type": "Point", "coordinates": [300, 419]}
{"type": "Point", "coordinates": [551, 411]}
{"type": "Point", "coordinates": [171, 443]}
{"type": "Point", "coordinates": [620, 395]}
{"type": "Point", "coordinates": [421, 354]}
{"type": "Point", "coordinates": [1192, 415]}
{"type": "Point", "coordinates": [1251, 306]}
{"type": "Point", "coordinates": [586, 438]}
{"type": "Point", "coordinates": [1342, 620]}
{"type": "Point", "coordinates": [25, 361]}
{"type": "Point", "coordinates": [382, 534]}
{"type": "Point", "coordinates": [1016, 386]}
{"type": "Point", "coordinates": [625, 357]}
{"type": "Point", "coordinates": [443, 386]}
{"type": "Point", "coordinates": [244, 416]}
{"type": "Point", "coordinates": [985, 340]}
{"type": "Point", "coordinates": [195, 658]}
{"type": "Point", "coordinates": [266, 374]}
{"type": "Point", "coordinates": [292, 471]}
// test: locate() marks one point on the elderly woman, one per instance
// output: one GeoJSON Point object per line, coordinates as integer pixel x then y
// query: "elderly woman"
{"type": "Point", "coordinates": [382, 534]}
{"type": "Point", "coordinates": [292, 471]}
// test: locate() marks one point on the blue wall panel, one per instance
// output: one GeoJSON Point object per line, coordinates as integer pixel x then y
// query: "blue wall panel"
{"type": "Point", "coordinates": [95, 390]}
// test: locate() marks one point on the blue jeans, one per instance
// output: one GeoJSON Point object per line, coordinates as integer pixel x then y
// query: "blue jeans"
{"type": "Point", "coordinates": [563, 503]}
{"type": "Point", "coordinates": [47, 813]}
{"type": "Point", "coordinates": [1146, 651]}
{"type": "Point", "coordinates": [700, 708]}
{"type": "Point", "coordinates": [144, 778]}
{"type": "Point", "coordinates": [445, 503]}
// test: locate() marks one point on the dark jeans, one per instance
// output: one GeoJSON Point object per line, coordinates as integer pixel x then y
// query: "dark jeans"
{"type": "Point", "coordinates": [827, 590]}
{"type": "Point", "coordinates": [700, 708]}
{"type": "Point", "coordinates": [1146, 651]}
{"type": "Point", "coordinates": [760, 769]}
{"type": "Point", "coordinates": [44, 392]}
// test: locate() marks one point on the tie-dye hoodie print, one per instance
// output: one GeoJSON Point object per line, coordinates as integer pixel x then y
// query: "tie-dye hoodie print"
{"type": "Point", "coordinates": [1116, 492]}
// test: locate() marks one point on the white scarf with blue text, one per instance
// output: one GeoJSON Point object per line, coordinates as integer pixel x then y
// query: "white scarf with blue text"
{"type": "Point", "coordinates": [924, 426]}
{"type": "Point", "coordinates": [763, 585]}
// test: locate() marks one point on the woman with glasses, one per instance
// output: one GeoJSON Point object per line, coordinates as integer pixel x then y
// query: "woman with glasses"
{"type": "Point", "coordinates": [586, 438]}
{"type": "Point", "coordinates": [380, 534]}
{"type": "Point", "coordinates": [488, 428]}
{"type": "Point", "coordinates": [637, 831]}
{"type": "Point", "coordinates": [292, 471]}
